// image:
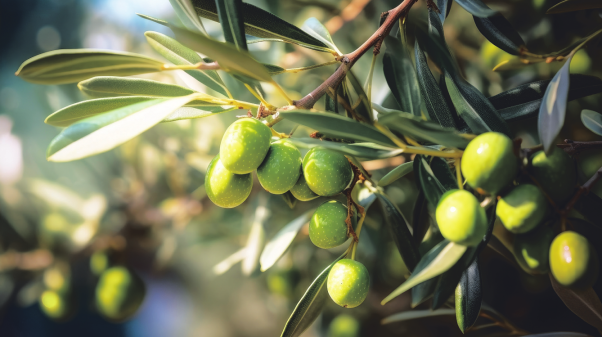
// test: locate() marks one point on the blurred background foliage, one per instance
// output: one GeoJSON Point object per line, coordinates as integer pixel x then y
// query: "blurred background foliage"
{"type": "Point", "coordinates": [144, 205]}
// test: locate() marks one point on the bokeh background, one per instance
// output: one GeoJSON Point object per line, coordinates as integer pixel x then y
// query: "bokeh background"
{"type": "Point", "coordinates": [144, 203]}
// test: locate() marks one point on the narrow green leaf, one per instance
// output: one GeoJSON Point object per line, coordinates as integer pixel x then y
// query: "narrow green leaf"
{"type": "Point", "coordinates": [401, 76]}
{"type": "Point", "coordinates": [428, 183]}
{"type": "Point", "coordinates": [317, 30]}
{"type": "Point", "coordinates": [178, 54]}
{"type": "Point", "coordinates": [289, 199]}
{"type": "Point", "coordinates": [469, 295]}
{"type": "Point", "coordinates": [363, 108]}
{"type": "Point", "coordinates": [584, 303]}
{"type": "Point", "coordinates": [110, 86]}
{"type": "Point", "coordinates": [421, 219]}
{"type": "Point", "coordinates": [553, 108]}
{"type": "Point", "coordinates": [197, 112]}
{"type": "Point", "coordinates": [574, 5]}
{"type": "Point", "coordinates": [230, 261]}
{"type": "Point", "coordinates": [415, 314]}
{"type": "Point", "coordinates": [264, 24]}
{"type": "Point", "coordinates": [525, 100]}
{"type": "Point", "coordinates": [310, 306]}
{"type": "Point", "coordinates": [423, 291]}
{"type": "Point", "coordinates": [360, 150]}
{"type": "Point", "coordinates": [476, 8]}
{"type": "Point", "coordinates": [438, 109]}
{"type": "Point", "coordinates": [279, 244]}
{"type": "Point", "coordinates": [256, 239]}
{"type": "Point", "coordinates": [396, 173]}
{"type": "Point", "coordinates": [186, 13]}
{"type": "Point", "coordinates": [500, 32]}
{"type": "Point", "coordinates": [106, 131]}
{"type": "Point", "coordinates": [437, 261]}
{"type": "Point", "coordinates": [444, 7]}
{"type": "Point", "coordinates": [338, 126]}
{"type": "Point", "coordinates": [231, 19]}
{"type": "Point", "coordinates": [74, 65]}
{"type": "Point", "coordinates": [229, 58]}
{"type": "Point", "coordinates": [421, 130]}
{"type": "Point", "coordinates": [398, 225]}
{"type": "Point", "coordinates": [465, 110]}
{"type": "Point", "coordinates": [592, 120]}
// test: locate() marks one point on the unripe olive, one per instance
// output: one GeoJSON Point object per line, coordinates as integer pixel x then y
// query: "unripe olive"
{"type": "Point", "coordinates": [99, 262]}
{"type": "Point", "coordinates": [225, 188]}
{"type": "Point", "coordinates": [532, 250]}
{"type": "Point", "coordinates": [522, 209]}
{"type": "Point", "coordinates": [326, 172]}
{"type": "Point", "coordinates": [327, 227]}
{"type": "Point", "coordinates": [57, 305]}
{"type": "Point", "coordinates": [344, 326]}
{"type": "Point", "coordinates": [281, 167]}
{"type": "Point", "coordinates": [488, 162]}
{"type": "Point", "coordinates": [348, 283]}
{"type": "Point", "coordinates": [460, 218]}
{"type": "Point", "coordinates": [244, 145]}
{"type": "Point", "coordinates": [119, 293]}
{"type": "Point", "coordinates": [301, 190]}
{"type": "Point", "coordinates": [573, 261]}
{"type": "Point", "coordinates": [555, 173]}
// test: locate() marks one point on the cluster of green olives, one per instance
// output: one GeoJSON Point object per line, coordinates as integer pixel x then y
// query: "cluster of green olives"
{"type": "Point", "coordinates": [247, 146]}
{"type": "Point", "coordinates": [119, 292]}
{"type": "Point", "coordinates": [489, 167]}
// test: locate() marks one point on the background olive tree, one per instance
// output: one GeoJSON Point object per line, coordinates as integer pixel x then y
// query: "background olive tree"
{"type": "Point", "coordinates": [144, 206]}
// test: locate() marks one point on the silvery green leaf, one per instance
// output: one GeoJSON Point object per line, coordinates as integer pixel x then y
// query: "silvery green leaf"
{"type": "Point", "coordinates": [592, 120]}
{"type": "Point", "coordinates": [279, 244]}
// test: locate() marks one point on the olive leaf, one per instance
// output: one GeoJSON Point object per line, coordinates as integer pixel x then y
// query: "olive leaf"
{"type": "Point", "coordinates": [230, 261]}
{"type": "Point", "coordinates": [525, 100]}
{"type": "Point", "coordinates": [310, 306]}
{"type": "Point", "coordinates": [469, 295]}
{"type": "Point", "coordinates": [337, 126]}
{"type": "Point", "coordinates": [197, 112]}
{"type": "Point", "coordinates": [419, 129]}
{"type": "Point", "coordinates": [316, 29]}
{"type": "Point", "coordinates": [421, 219]}
{"type": "Point", "coordinates": [582, 302]}
{"type": "Point", "coordinates": [396, 173]}
{"type": "Point", "coordinates": [398, 225]}
{"type": "Point", "coordinates": [230, 59]}
{"type": "Point", "coordinates": [264, 24]}
{"type": "Point", "coordinates": [256, 239]}
{"type": "Point", "coordinates": [574, 5]}
{"type": "Point", "coordinates": [363, 108]}
{"type": "Point", "coordinates": [401, 76]}
{"type": "Point", "coordinates": [231, 19]}
{"type": "Point", "coordinates": [178, 54]}
{"type": "Point", "coordinates": [186, 13]}
{"type": "Point", "coordinates": [110, 86]}
{"type": "Point", "coordinates": [553, 107]}
{"type": "Point", "coordinates": [360, 150]}
{"type": "Point", "coordinates": [476, 8]}
{"type": "Point", "coordinates": [437, 107]}
{"type": "Point", "coordinates": [108, 130]}
{"type": "Point", "coordinates": [428, 183]}
{"type": "Point", "coordinates": [74, 65]}
{"type": "Point", "coordinates": [437, 261]}
{"type": "Point", "coordinates": [592, 120]}
{"type": "Point", "coordinates": [500, 32]}
{"type": "Point", "coordinates": [423, 291]}
{"type": "Point", "coordinates": [279, 244]}
{"type": "Point", "coordinates": [444, 7]}
{"type": "Point", "coordinates": [415, 314]}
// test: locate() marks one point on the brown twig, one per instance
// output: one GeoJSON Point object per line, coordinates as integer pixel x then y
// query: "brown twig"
{"type": "Point", "coordinates": [573, 147]}
{"type": "Point", "coordinates": [348, 60]}
{"type": "Point", "coordinates": [357, 176]}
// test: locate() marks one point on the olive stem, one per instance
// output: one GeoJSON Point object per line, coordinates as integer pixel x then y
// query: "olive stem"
{"type": "Point", "coordinates": [582, 190]}
{"type": "Point", "coordinates": [458, 173]}
{"type": "Point", "coordinates": [360, 223]}
{"type": "Point", "coordinates": [573, 147]}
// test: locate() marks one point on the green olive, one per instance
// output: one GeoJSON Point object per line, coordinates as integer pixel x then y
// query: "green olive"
{"type": "Point", "coordinates": [57, 305]}
{"type": "Point", "coordinates": [301, 190]}
{"type": "Point", "coordinates": [244, 145]}
{"type": "Point", "coordinates": [99, 262]}
{"type": "Point", "coordinates": [326, 172]}
{"type": "Point", "coordinates": [556, 174]}
{"type": "Point", "coordinates": [461, 218]}
{"type": "Point", "coordinates": [225, 188]}
{"type": "Point", "coordinates": [344, 326]}
{"type": "Point", "coordinates": [488, 162]}
{"type": "Point", "coordinates": [522, 209]}
{"type": "Point", "coordinates": [281, 167]}
{"type": "Point", "coordinates": [327, 227]}
{"type": "Point", "coordinates": [573, 261]}
{"type": "Point", "coordinates": [119, 293]}
{"type": "Point", "coordinates": [532, 250]}
{"type": "Point", "coordinates": [348, 283]}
